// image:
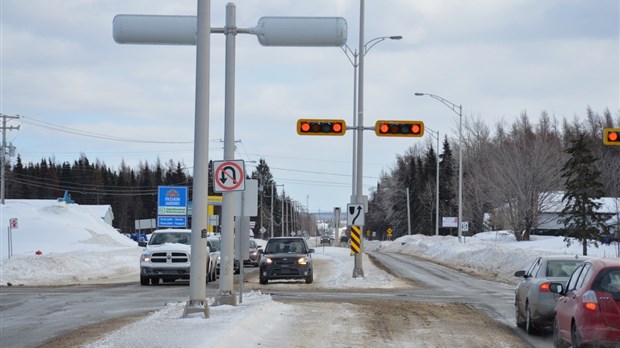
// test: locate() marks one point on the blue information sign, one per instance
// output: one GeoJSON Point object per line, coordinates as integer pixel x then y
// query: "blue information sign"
{"type": "Point", "coordinates": [172, 200]}
{"type": "Point", "coordinates": [172, 221]}
{"type": "Point", "coordinates": [172, 206]}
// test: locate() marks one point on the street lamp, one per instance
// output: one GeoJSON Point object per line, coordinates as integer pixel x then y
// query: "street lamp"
{"type": "Point", "coordinates": [353, 55]}
{"type": "Point", "coordinates": [458, 109]}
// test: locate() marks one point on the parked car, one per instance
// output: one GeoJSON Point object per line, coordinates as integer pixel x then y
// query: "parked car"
{"type": "Point", "coordinates": [255, 254]}
{"type": "Point", "coordinates": [588, 313]}
{"type": "Point", "coordinates": [167, 257]}
{"type": "Point", "coordinates": [214, 255]}
{"type": "Point", "coordinates": [286, 258]}
{"type": "Point", "coordinates": [534, 303]}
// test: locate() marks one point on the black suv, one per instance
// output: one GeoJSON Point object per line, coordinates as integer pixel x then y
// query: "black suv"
{"type": "Point", "coordinates": [286, 258]}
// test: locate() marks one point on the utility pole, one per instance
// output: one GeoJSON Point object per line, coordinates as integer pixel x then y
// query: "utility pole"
{"type": "Point", "coordinates": [4, 154]}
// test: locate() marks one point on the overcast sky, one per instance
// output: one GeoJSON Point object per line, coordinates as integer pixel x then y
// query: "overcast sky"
{"type": "Point", "coordinates": [63, 72]}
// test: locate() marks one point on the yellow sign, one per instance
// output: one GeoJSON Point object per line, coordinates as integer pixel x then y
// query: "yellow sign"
{"type": "Point", "coordinates": [389, 232]}
{"type": "Point", "coordinates": [356, 240]}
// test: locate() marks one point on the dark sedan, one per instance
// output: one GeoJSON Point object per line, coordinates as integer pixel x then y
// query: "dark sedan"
{"type": "Point", "coordinates": [286, 258]}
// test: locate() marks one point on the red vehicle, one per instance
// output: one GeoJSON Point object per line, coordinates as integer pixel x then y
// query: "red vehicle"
{"type": "Point", "coordinates": [588, 313]}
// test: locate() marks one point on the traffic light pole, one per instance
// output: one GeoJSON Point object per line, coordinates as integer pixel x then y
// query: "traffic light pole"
{"type": "Point", "coordinates": [358, 270]}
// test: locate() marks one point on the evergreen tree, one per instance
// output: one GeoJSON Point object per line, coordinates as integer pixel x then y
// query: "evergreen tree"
{"type": "Point", "coordinates": [447, 183]}
{"type": "Point", "coordinates": [582, 188]}
{"type": "Point", "coordinates": [265, 191]}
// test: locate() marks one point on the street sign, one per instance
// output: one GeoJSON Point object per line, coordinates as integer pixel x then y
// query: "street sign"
{"type": "Point", "coordinates": [172, 200]}
{"type": "Point", "coordinates": [172, 221]}
{"type": "Point", "coordinates": [228, 176]}
{"type": "Point", "coordinates": [355, 214]}
{"type": "Point", "coordinates": [450, 222]}
{"type": "Point", "coordinates": [465, 226]}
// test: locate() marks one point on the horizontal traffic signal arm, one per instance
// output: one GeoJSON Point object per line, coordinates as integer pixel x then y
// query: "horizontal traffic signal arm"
{"type": "Point", "coordinates": [399, 128]}
{"type": "Point", "coordinates": [321, 127]}
{"type": "Point", "coordinates": [611, 136]}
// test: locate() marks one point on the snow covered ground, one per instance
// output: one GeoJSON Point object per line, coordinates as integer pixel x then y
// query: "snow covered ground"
{"type": "Point", "coordinates": [77, 247]}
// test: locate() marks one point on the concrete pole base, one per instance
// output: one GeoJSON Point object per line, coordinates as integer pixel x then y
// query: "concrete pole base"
{"type": "Point", "coordinates": [196, 306]}
{"type": "Point", "coordinates": [225, 298]}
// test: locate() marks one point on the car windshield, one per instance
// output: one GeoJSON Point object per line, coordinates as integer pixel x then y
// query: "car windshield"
{"type": "Point", "coordinates": [252, 244]}
{"type": "Point", "coordinates": [285, 246]}
{"type": "Point", "coordinates": [170, 237]}
{"type": "Point", "coordinates": [214, 244]}
{"type": "Point", "coordinates": [559, 268]}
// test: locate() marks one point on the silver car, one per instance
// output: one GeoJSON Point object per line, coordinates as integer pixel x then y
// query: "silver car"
{"type": "Point", "coordinates": [534, 303]}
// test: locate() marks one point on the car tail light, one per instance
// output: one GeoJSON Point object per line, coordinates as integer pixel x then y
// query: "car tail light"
{"type": "Point", "coordinates": [589, 300]}
{"type": "Point", "coordinates": [544, 287]}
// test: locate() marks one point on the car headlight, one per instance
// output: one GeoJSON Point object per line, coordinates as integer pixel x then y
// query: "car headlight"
{"type": "Point", "coordinates": [218, 260]}
{"type": "Point", "coordinates": [303, 261]}
{"type": "Point", "coordinates": [253, 253]}
{"type": "Point", "coordinates": [145, 258]}
{"type": "Point", "coordinates": [268, 261]}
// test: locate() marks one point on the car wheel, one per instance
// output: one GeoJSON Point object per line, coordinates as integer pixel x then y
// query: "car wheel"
{"type": "Point", "coordinates": [309, 278]}
{"type": "Point", "coordinates": [144, 280]}
{"type": "Point", "coordinates": [557, 341]}
{"type": "Point", "coordinates": [518, 316]}
{"type": "Point", "coordinates": [529, 326]}
{"type": "Point", "coordinates": [263, 280]}
{"type": "Point", "coordinates": [155, 281]}
{"type": "Point", "coordinates": [575, 337]}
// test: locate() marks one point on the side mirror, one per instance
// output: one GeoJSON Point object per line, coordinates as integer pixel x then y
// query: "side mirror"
{"type": "Point", "coordinates": [519, 273]}
{"type": "Point", "coordinates": [310, 251]}
{"type": "Point", "coordinates": [556, 288]}
{"type": "Point", "coordinates": [142, 243]}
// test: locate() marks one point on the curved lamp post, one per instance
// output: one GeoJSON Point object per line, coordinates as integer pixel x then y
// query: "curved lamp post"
{"type": "Point", "coordinates": [458, 109]}
{"type": "Point", "coordinates": [353, 55]}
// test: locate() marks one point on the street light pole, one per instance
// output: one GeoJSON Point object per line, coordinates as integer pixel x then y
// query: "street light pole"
{"type": "Point", "coordinates": [458, 109]}
{"type": "Point", "coordinates": [353, 55]}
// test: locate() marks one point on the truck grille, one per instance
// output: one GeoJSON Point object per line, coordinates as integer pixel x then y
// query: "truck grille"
{"type": "Point", "coordinates": [169, 257]}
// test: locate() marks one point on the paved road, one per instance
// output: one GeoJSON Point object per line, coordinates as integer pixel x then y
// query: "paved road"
{"type": "Point", "coordinates": [440, 283]}
{"type": "Point", "coordinates": [31, 316]}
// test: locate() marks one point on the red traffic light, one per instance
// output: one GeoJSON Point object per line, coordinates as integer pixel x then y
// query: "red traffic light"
{"type": "Point", "coordinates": [611, 136]}
{"type": "Point", "coordinates": [321, 127]}
{"type": "Point", "coordinates": [397, 128]}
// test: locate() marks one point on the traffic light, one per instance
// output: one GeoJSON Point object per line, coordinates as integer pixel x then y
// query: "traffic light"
{"type": "Point", "coordinates": [321, 127]}
{"type": "Point", "coordinates": [395, 128]}
{"type": "Point", "coordinates": [611, 136]}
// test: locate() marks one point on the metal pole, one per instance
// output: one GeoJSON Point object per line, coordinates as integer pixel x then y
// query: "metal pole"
{"type": "Point", "coordinates": [408, 213]}
{"type": "Point", "coordinates": [226, 294]}
{"type": "Point", "coordinates": [282, 215]}
{"type": "Point", "coordinates": [358, 270]}
{"type": "Point", "coordinates": [354, 171]}
{"type": "Point", "coordinates": [437, 189]}
{"type": "Point", "coordinates": [3, 159]}
{"type": "Point", "coordinates": [273, 188]}
{"type": "Point", "coordinates": [460, 173]}
{"type": "Point", "coordinates": [198, 272]}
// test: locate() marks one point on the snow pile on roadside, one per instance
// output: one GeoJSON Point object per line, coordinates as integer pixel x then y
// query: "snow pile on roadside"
{"type": "Point", "coordinates": [221, 329]}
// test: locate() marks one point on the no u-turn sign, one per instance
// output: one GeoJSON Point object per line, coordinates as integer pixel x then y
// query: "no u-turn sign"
{"type": "Point", "coordinates": [228, 176]}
